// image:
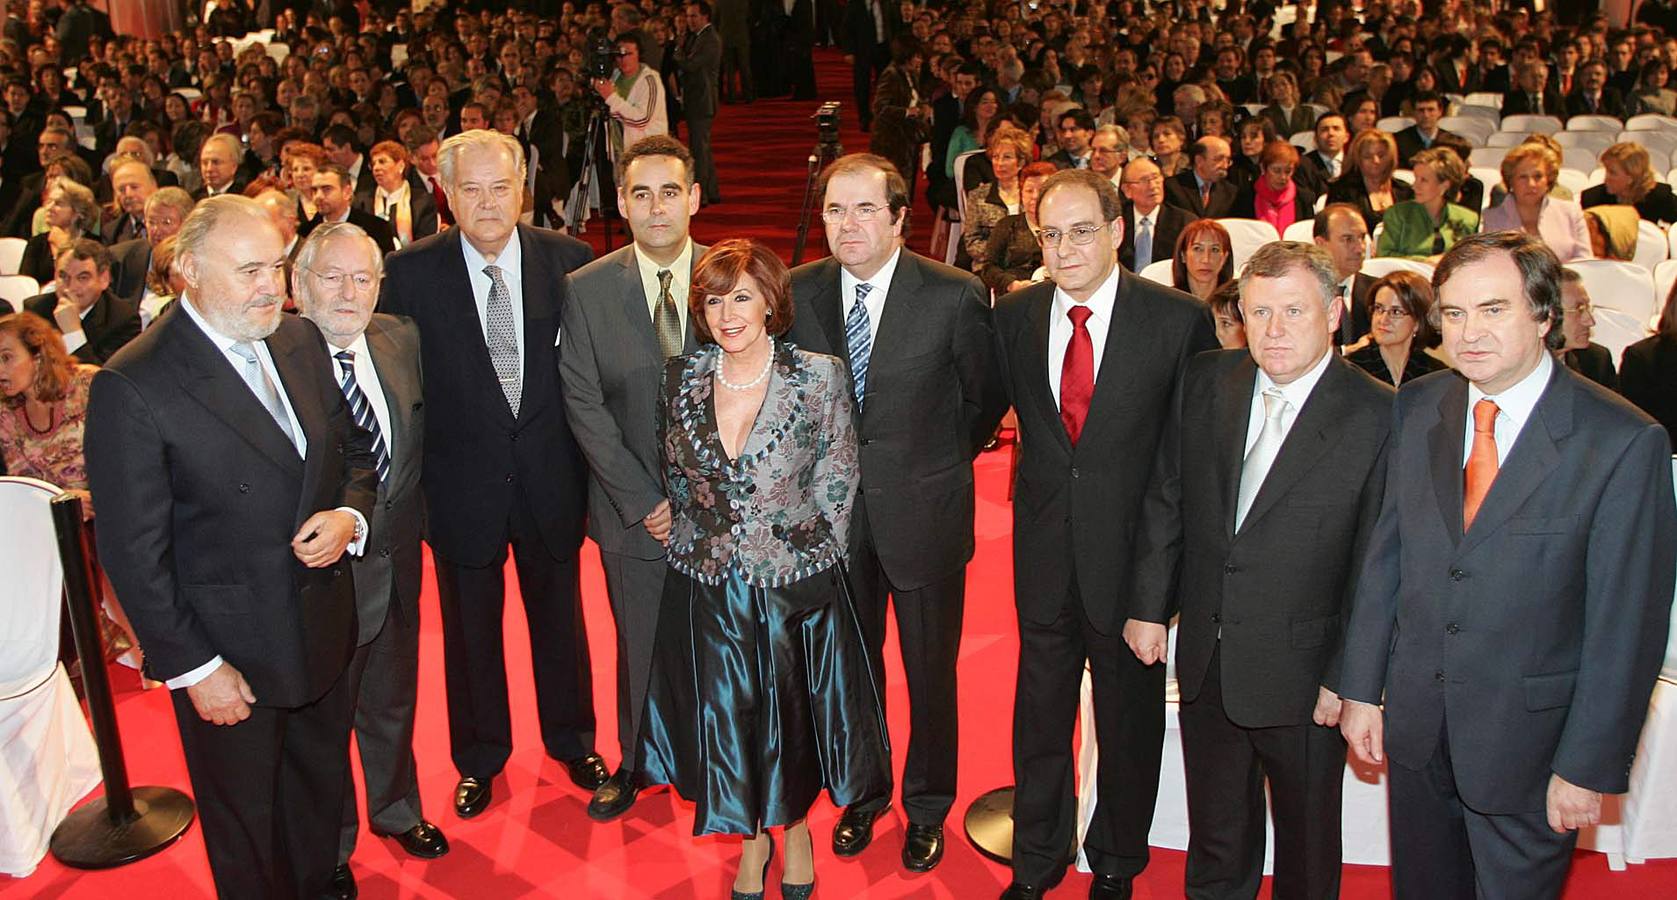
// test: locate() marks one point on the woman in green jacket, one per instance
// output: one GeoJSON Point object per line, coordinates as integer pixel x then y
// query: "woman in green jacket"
{"type": "Point", "coordinates": [1425, 227]}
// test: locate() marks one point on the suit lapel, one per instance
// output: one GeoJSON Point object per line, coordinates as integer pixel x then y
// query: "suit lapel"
{"type": "Point", "coordinates": [211, 380]}
{"type": "Point", "coordinates": [1128, 344]}
{"type": "Point", "coordinates": [538, 314]}
{"type": "Point", "coordinates": [292, 359]}
{"type": "Point", "coordinates": [1444, 456]}
{"type": "Point", "coordinates": [1311, 436]}
{"type": "Point", "coordinates": [1233, 410]}
{"type": "Point", "coordinates": [829, 308]}
{"type": "Point", "coordinates": [398, 394]}
{"type": "Point", "coordinates": [633, 306]}
{"type": "Point", "coordinates": [896, 320]}
{"type": "Point", "coordinates": [460, 304]}
{"type": "Point", "coordinates": [1532, 459]}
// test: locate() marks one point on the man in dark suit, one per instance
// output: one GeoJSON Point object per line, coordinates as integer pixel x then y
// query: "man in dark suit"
{"type": "Point", "coordinates": [1258, 434]}
{"type": "Point", "coordinates": [119, 114]}
{"type": "Point", "coordinates": [1318, 168]}
{"type": "Point", "coordinates": [132, 184]}
{"type": "Point", "coordinates": [218, 166]}
{"type": "Point", "coordinates": [375, 361]}
{"type": "Point", "coordinates": [627, 314]}
{"type": "Point", "coordinates": [1149, 222]}
{"type": "Point", "coordinates": [1533, 93]}
{"type": "Point", "coordinates": [500, 464]}
{"type": "Point", "coordinates": [1578, 352]}
{"type": "Point", "coordinates": [1340, 230]}
{"type": "Point", "coordinates": [1454, 65]}
{"type": "Point", "coordinates": [866, 41]}
{"type": "Point", "coordinates": [1204, 188]}
{"type": "Point", "coordinates": [230, 480]}
{"type": "Point", "coordinates": [334, 197]}
{"type": "Point", "coordinates": [1429, 108]}
{"type": "Point", "coordinates": [165, 210]}
{"type": "Point", "coordinates": [1090, 426]}
{"type": "Point", "coordinates": [700, 63]}
{"type": "Point", "coordinates": [344, 148]}
{"type": "Point", "coordinates": [1526, 545]}
{"type": "Point", "coordinates": [917, 337]}
{"type": "Point", "coordinates": [1075, 129]}
{"type": "Point", "coordinates": [95, 323]}
{"type": "Point", "coordinates": [1593, 96]}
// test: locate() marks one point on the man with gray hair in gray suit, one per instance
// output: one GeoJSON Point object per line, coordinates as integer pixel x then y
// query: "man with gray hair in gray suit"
{"type": "Point", "coordinates": [375, 363]}
{"type": "Point", "coordinates": [628, 313]}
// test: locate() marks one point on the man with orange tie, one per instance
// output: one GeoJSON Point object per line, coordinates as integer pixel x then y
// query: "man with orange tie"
{"type": "Point", "coordinates": [1091, 360]}
{"type": "Point", "coordinates": [1512, 610]}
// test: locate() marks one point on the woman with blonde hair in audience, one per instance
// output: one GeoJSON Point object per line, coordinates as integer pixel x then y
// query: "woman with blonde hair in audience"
{"type": "Point", "coordinates": [1629, 180]}
{"type": "Point", "coordinates": [1367, 181]}
{"type": "Point", "coordinates": [1009, 151]}
{"type": "Point", "coordinates": [71, 215]}
{"type": "Point", "coordinates": [1400, 331]}
{"type": "Point", "coordinates": [1425, 227]}
{"type": "Point", "coordinates": [1204, 258]}
{"type": "Point", "coordinates": [1528, 171]}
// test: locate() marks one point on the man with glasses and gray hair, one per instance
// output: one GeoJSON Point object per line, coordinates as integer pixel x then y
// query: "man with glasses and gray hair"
{"type": "Point", "coordinates": [375, 363]}
{"type": "Point", "coordinates": [1262, 601]}
{"type": "Point", "coordinates": [1091, 360]}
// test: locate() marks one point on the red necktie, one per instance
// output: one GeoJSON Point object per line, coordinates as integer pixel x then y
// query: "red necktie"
{"type": "Point", "coordinates": [1481, 461]}
{"type": "Point", "coordinates": [1077, 374]}
{"type": "Point", "coordinates": [443, 212]}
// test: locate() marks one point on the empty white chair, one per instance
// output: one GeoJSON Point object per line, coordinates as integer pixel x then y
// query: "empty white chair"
{"type": "Point", "coordinates": [1506, 138]}
{"type": "Point", "coordinates": [77, 114]}
{"type": "Point", "coordinates": [1651, 247]}
{"type": "Point", "coordinates": [1321, 202]}
{"type": "Point", "coordinates": [11, 254]}
{"type": "Point", "coordinates": [1598, 175]}
{"type": "Point", "coordinates": [1571, 179]}
{"type": "Point", "coordinates": [1665, 275]}
{"type": "Point", "coordinates": [190, 93]}
{"type": "Point", "coordinates": [1254, 109]}
{"type": "Point", "coordinates": [1304, 140]}
{"type": "Point", "coordinates": [1394, 124]}
{"type": "Point", "coordinates": [1489, 158]}
{"type": "Point", "coordinates": [1157, 271]}
{"type": "Point", "coordinates": [1595, 123]}
{"type": "Point", "coordinates": [1492, 114]}
{"type": "Point", "coordinates": [1544, 124]}
{"type": "Point", "coordinates": [1622, 288]}
{"type": "Point", "coordinates": [1490, 99]}
{"type": "Point", "coordinates": [1650, 122]}
{"type": "Point", "coordinates": [1616, 329]}
{"type": "Point", "coordinates": [1474, 128]}
{"type": "Point", "coordinates": [46, 749]}
{"type": "Point", "coordinates": [955, 227]}
{"type": "Point", "coordinates": [1247, 235]}
{"type": "Point", "coordinates": [1302, 230]}
{"type": "Point", "coordinates": [1596, 141]}
{"type": "Point", "coordinates": [1381, 266]}
{"type": "Point", "coordinates": [15, 289]}
{"type": "Point", "coordinates": [1489, 177]}
{"type": "Point", "coordinates": [1578, 158]}
{"type": "Point", "coordinates": [1404, 175]}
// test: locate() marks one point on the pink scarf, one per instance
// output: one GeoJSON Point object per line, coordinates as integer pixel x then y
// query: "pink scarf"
{"type": "Point", "coordinates": [1274, 207]}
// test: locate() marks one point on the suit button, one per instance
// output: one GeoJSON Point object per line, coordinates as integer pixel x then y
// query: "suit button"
{"type": "Point", "coordinates": [337, 572]}
{"type": "Point", "coordinates": [1458, 575]}
{"type": "Point", "coordinates": [509, 478]}
{"type": "Point", "coordinates": [1217, 618]}
{"type": "Point", "coordinates": [389, 504]}
{"type": "Point", "coordinates": [1452, 628]}
{"type": "Point", "coordinates": [1230, 569]}
{"type": "Point", "coordinates": [515, 437]}
{"type": "Point", "coordinates": [866, 441]}
{"type": "Point", "coordinates": [1438, 676]}
{"type": "Point", "coordinates": [244, 488]}
{"type": "Point", "coordinates": [1074, 472]}
{"type": "Point", "coordinates": [385, 553]}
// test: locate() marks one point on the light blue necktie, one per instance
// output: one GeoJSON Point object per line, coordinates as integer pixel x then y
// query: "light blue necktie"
{"type": "Point", "coordinates": [860, 338]}
{"type": "Point", "coordinates": [1143, 242]}
{"type": "Point", "coordinates": [362, 411]}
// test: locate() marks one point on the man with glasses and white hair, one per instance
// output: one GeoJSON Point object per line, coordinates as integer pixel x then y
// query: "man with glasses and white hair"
{"type": "Point", "coordinates": [916, 334]}
{"type": "Point", "coordinates": [231, 480]}
{"type": "Point", "coordinates": [375, 362]}
{"type": "Point", "coordinates": [500, 464]}
{"type": "Point", "coordinates": [1109, 151]}
{"type": "Point", "coordinates": [1091, 360]}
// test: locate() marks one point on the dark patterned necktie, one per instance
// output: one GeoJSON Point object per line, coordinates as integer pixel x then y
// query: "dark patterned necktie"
{"type": "Point", "coordinates": [362, 411]}
{"type": "Point", "coordinates": [858, 334]}
{"type": "Point", "coordinates": [503, 339]}
{"type": "Point", "coordinates": [666, 321]}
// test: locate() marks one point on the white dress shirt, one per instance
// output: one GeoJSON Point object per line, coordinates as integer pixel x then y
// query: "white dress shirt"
{"type": "Point", "coordinates": [1514, 408]}
{"type": "Point", "coordinates": [511, 262]}
{"type": "Point", "coordinates": [77, 339]}
{"type": "Point", "coordinates": [266, 360]}
{"type": "Point", "coordinates": [1060, 328]}
{"type": "Point", "coordinates": [875, 301]}
{"type": "Point", "coordinates": [681, 272]}
{"type": "Point", "coordinates": [1294, 392]}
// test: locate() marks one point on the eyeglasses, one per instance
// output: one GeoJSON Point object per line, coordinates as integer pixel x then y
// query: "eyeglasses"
{"type": "Point", "coordinates": [1080, 235]}
{"type": "Point", "coordinates": [862, 212]}
{"type": "Point", "coordinates": [1395, 313]}
{"type": "Point", "coordinates": [335, 280]}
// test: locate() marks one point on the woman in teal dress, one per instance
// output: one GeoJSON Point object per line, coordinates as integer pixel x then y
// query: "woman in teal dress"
{"type": "Point", "coordinates": [1425, 227]}
{"type": "Point", "coordinates": [762, 691]}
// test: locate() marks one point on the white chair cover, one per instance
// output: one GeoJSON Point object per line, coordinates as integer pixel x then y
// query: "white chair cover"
{"type": "Point", "coordinates": [1651, 249]}
{"type": "Point", "coordinates": [1505, 138]}
{"type": "Point", "coordinates": [1489, 176]}
{"type": "Point", "coordinates": [1545, 124]}
{"type": "Point", "coordinates": [1650, 122]}
{"type": "Point", "coordinates": [1381, 266]}
{"type": "Point", "coordinates": [1484, 99]}
{"type": "Point", "coordinates": [17, 288]}
{"type": "Point", "coordinates": [1665, 275]}
{"type": "Point", "coordinates": [1626, 287]}
{"type": "Point", "coordinates": [1596, 141]}
{"type": "Point", "coordinates": [1302, 230]}
{"type": "Point", "coordinates": [1595, 123]}
{"type": "Point", "coordinates": [1491, 114]}
{"type": "Point", "coordinates": [956, 226]}
{"type": "Point", "coordinates": [1394, 124]}
{"type": "Point", "coordinates": [1474, 128]}
{"type": "Point", "coordinates": [1571, 179]}
{"type": "Point", "coordinates": [1157, 271]}
{"type": "Point", "coordinates": [1304, 140]}
{"type": "Point", "coordinates": [1488, 158]}
{"type": "Point", "coordinates": [1247, 235]}
{"type": "Point", "coordinates": [11, 254]}
{"type": "Point", "coordinates": [1581, 158]}
{"type": "Point", "coordinates": [46, 749]}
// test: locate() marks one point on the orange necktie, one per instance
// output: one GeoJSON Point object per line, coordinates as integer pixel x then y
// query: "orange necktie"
{"type": "Point", "coordinates": [1481, 461]}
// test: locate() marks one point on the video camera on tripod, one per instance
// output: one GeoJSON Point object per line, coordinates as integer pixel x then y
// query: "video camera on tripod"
{"type": "Point", "coordinates": [827, 149]}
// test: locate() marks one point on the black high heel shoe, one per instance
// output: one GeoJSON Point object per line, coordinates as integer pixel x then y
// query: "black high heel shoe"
{"type": "Point", "coordinates": [799, 891]}
{"type": "Point", "coordinates": [757, 895]}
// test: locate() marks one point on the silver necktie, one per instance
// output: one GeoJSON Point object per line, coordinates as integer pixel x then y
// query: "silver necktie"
{"type": "Point", "coordinates": [1262, 454]}
{"type": "Point", "coordinates": [503, 339]}
{"type": "Point", "coordinates": [264, 387]}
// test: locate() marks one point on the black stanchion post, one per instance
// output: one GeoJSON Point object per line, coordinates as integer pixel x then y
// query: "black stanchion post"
{"type": "Point", "coordinates": [126, 824]}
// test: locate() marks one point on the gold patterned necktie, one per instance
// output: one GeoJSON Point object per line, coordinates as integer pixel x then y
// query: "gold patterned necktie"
{"type": "Point", "coordinates": [665, 320]}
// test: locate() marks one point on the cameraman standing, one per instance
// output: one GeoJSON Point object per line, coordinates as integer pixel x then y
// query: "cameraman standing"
{"type": "Point", "coordinates": [634, 96]}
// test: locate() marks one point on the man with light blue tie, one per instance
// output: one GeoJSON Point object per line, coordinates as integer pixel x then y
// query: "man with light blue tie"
{"type": "Point", "coordinates": [916, 335]}
{"type": "Point", "coordinates": [1151, 225]}
{"type": "Point", "coordinates": [375, 361]}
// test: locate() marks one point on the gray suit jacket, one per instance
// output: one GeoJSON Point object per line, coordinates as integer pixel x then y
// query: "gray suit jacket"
{"type": "Point", "coordinates": [1534, 638]}
{"type": "Point", "coordinates": [700, 66]}
{"type": "Point", "coordinates": [609, 375]}
{"type": "Point", "coordinates": [389, 570]}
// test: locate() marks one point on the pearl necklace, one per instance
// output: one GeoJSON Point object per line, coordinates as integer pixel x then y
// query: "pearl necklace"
{"type": "Point", "coordinates": [761, 376]}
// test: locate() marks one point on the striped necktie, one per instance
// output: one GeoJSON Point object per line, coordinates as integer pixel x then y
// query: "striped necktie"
{"type": "Point", "coordinates": [362, 411]}
{"type": "Point", "coordinates": [858, 334]}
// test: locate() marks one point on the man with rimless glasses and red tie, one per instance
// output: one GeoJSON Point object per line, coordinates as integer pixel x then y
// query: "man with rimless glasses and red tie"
{"type": "Point", "coordinates": [1092, 361]}
{"type": "Point", "coordinates": [1513, 607]}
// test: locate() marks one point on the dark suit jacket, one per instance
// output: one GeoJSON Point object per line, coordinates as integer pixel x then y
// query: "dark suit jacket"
{"type": "Point", "coordinates": [130, 263]}
{"type": "Point", "coordinates": [1538, 633]}
{"type": "Point", "coordinates": [236, 187]}
{"type": "Point", "coordinates": [1303, 119]}
{"type": "Point", "coordinates": [479, 459]}
{"type": "Point", "coordinates": [1518, 103]}
{"type": "Point", "coordinates": [1358, 317]}
{"type": "Point", "coordinates": [609, 374]}
{"type": "Point", "coordinates": [1612, 103]}
{"type": "Point", "coordinates": [1277, 588]}
{"type": "Point", "coordinates": [200, 493]}
{"type": "Point", "coordinates": [1419, 363]}
{"type": "Point", "coordinates": [1182, 190]}
{"type": "Point", "coordinates": [1312, 172]}
{"type": "Point", "coordinates": [111, 323]}
{"type": "Point", "coordinates": [1595, 363]}
{"type": "Point", "coordinates": [1075, 509]}
{"type": "Point", "coordinates": [1648, 378]}
{"type": "Point", "coordinates": [700, 64]}
{"type": "Point", "coordinates": [1409, 143]}
{"type": "Point", "coordinates": [389, 572]}
{"type": "Point", "coordinates": [933, 399]}
{"type": "Point", "coordinates": [1354, 191]}
{"type": "Point", "coordinates": [422, 208]}
{"type": "Point", "coordinates": [377, 229]}
{"type": "Point", "coordinates": [1168, 223]}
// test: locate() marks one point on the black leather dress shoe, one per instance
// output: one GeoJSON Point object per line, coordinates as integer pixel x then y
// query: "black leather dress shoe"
{"type": "Point", "coordinates": [424, 840]}
{"type": "Point", "coordinates": [471, 796]}
{"type": "Point", "coordinates": [923, 847]}
{"type": "Point", "coordinates": [614, 798]}
{"type": "Point", "coordinates": [1019, 890]}
{"type": "Point", "coordinates": [854, 830]}
{"type": "Point", "coordinates": [587, 772]}
{"type": "Point", "coordinates": [343, 884]}
{"type": "Point", "coordinates": [1109, 887]}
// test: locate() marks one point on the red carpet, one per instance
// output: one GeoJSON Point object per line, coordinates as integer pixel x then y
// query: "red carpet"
{"type": "Point", "coordinates": [536, 841]}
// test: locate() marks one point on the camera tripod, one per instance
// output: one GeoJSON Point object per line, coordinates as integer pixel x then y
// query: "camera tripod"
{"type": "Point", "coordinates": [592, 175]}
{"type": "Point", "coordinates": [827, 149]}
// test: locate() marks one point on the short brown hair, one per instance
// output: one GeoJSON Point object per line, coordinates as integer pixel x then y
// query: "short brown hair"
{"type": "Point", "coordinates": [1414, 294]}
{"type": "Point", "coordinates": [1112, 203]}
{"type": "Point", "coordinates": [720, 270]}
{"type": "Point", "coordinates": [86, 250]}
{"type": "Point", "coordinates": [655, 145]}
{"type": "Point", "coordinates": [896, 189]}
{"type": "Point", "coordinates": [392, 149]}
{"type": "Point", "coordinates": [53, 366]}
{"type": "Point", "coordinates": [1540, 274]}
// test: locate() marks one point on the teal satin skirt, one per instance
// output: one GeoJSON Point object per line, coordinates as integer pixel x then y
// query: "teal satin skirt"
{"type": "Point", "coordinates": [759, 699]}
